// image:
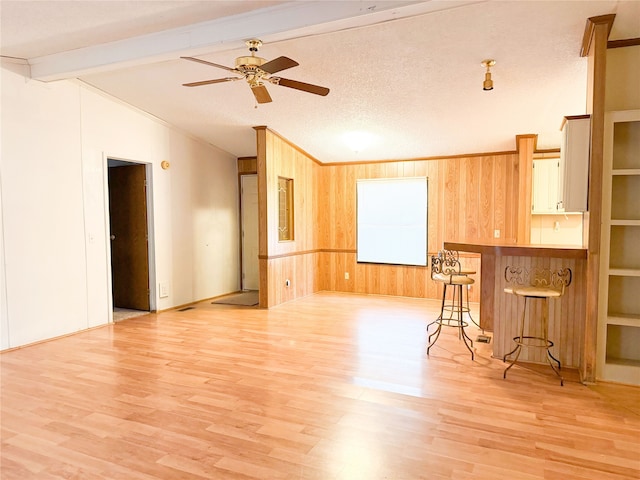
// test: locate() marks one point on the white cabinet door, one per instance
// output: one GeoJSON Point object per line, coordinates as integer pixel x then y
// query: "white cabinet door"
{"type": "Point", "coordinates": [545, 186]}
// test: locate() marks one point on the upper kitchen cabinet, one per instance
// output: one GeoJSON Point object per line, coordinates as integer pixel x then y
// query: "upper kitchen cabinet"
{"type": "Point", "coordinates": [546, 190]}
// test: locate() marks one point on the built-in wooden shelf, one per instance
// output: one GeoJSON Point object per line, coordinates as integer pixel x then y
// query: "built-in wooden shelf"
{"type": "Point", "coordinates": [623, 319]}
{"type": "Point", "coordinates": [625, 272]}
{"type": "Point", "coordinates": [626, 171]}
{"type": "Point", "coordinates": [619, 308]}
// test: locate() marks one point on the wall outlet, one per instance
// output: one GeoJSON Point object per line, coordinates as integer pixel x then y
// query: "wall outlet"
{"type": "Point", "coordinates": [287, 282]}
{"type": "Point", "coordinates": [346, 275]}
{"type": "Point", "coordinates": [496, 234]}
{"type": "Point", "coordinates": [163, 290]}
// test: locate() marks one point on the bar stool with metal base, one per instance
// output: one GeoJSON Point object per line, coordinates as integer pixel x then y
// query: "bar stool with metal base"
{"type": "Point", "coordinates": [445, 268]}
{"type": "Point", "coordinates": [453, 306]}
{"type": "Point", "coordinates": [543, 285]}
{"type": "Point", "coordinates": [466, 308]}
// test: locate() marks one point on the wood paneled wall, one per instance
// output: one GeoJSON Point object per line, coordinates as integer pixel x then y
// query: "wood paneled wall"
{"type": "Point", "coordinates": [295, 260]}
{"type": "Point", "coordinates": [469, 198]}
{"type": "Point", "coordinates": [375, 279]}
{"type": "Point", "coordinates": [247, 165]}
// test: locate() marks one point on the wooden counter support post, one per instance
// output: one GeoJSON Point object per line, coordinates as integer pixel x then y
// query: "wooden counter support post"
{"type": "Point", "coordinates": [487, 282]}
{"type": "Point", "coordinates": [594, 46]}
{"type": "Point", "coordinates": [526, 145]}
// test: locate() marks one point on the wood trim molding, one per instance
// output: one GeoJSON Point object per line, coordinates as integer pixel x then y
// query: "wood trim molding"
{"type": "Point", "coordinates": [449, 157]}
{"type": "Point", "coordinates": [627, 42]}
{"type": "Point", "coordinates": [292, 145]}
{"type": "Point", "coordinates": [417, 159]}
{"type": "Point", "coordinates": [548, 251]}
{"type": "Point", "coordinates": [533, 136]}
{"type": "Point", "coordinates": [337, 250]}
{"type": "Point", "coordinates": [589, 30]}
{"type": "Point", "coordinates": [420, 159]}
{"type": "Point", "coordinates": [566, 118]}
{"type": "Point", "coordinates": [263, 227]}
{"type": "Point", "coordinates": [345, 250]}
{"type": "Point", "coordinates": [595, 48]}
{"type": "Point", "coordinates": [548, 152]}
{"type": "Point", "coordinates": [306, 252]}
{"type": "Point", "coordinates": [526, 147]}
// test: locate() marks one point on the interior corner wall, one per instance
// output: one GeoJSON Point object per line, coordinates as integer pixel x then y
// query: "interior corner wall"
{"type": "Point", "coordinates": [4, 318]}
{"type": "Point", "coordinates": [55, 141]}
{"type": "Point", "coordinates": [295, 260]}
{"type": "Point", "coordinates": [469, 198]}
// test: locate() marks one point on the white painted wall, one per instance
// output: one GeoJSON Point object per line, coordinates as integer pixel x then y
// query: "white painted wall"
{"type": "Point", "coordinates": [4, 318]}
{"type": "Point", "coordinates": [556, 229]}
{"type": "Point", "coordinates": [623, 78]}
{"type": "Point", "coordinates": [56, 138]}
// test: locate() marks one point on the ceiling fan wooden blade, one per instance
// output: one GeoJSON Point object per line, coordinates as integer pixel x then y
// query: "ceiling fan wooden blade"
{"type": "Point", "coordinates": [210, 64]}
{"type": "Point", "coordinates": [305, 87]}
{"type": "Point", "coordinates": [261, 93]}
{"type": "Point", "coordinates": [278, 64]}
{"type": "Point", "coordinates": [209, 82]}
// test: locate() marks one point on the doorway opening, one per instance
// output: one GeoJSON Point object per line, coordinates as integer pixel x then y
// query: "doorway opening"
{"type": "Point", "coordinates": [249, 231]}
{"type": "Point", "coordinates": [129, 215]}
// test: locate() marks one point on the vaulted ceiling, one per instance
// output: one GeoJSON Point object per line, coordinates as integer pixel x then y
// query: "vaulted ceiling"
{"type": "Point", "coordinates": [407, 74]}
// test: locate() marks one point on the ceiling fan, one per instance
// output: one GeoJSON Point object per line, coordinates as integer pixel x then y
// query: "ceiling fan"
{"type": "Point", "coordinates": [256, 71]}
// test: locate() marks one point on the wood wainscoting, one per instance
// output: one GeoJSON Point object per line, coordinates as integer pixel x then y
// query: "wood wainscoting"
{"type": "Point", "coordinates": [289, 277]}
{"type": "Point", "coordinates": [377, 279]}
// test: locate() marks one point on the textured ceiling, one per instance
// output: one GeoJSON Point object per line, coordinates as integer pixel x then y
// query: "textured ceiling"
{"type": "Point", "coordinates": [411, 81]}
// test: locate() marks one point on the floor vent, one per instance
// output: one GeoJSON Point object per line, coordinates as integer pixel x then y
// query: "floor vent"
{"type": "Point", "coordinates": [483, 339]}
{"type": "Point", "coordinates": [186, 308]}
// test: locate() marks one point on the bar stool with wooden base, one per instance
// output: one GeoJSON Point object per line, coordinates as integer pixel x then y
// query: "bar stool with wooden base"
{"type": "Point", "coordinates": [445, 268]}
{"type": "Point", "coordinates": [540, 284]}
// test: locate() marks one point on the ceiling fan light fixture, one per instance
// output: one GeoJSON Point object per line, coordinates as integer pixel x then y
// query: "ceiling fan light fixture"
{"type": "Point", "coordinates": [249, 62]}
{"type": "Point", "coordinates": [256, 71]}
{"type": "Point", "coordinates": [488, 82]}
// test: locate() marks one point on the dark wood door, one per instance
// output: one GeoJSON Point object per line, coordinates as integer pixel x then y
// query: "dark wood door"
{"type": "Point", "coordinates": [129, 249]}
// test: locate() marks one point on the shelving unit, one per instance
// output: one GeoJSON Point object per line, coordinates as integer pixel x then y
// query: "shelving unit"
{"type": "Point", "coordinates": [619, 311]}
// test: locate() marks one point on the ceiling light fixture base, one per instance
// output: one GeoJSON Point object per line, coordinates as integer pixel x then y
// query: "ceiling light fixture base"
{"type": "Point", "coordinates": [488, 83]}
{"type": "Point", "coordinates": [254, 44]}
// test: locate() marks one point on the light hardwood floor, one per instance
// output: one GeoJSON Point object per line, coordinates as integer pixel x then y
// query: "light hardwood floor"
{"type": "Point", "coordinates": [332, 386]}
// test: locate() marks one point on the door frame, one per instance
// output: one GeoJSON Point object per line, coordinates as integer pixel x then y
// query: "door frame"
{"type": "Point", "coordinates": [150, 229]}
{"type": "Point", "coordinates": [242, 237]}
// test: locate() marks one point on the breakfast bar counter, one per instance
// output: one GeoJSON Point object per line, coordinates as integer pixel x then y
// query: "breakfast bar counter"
{"type": "Point", "coordinates": [499, 310]}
